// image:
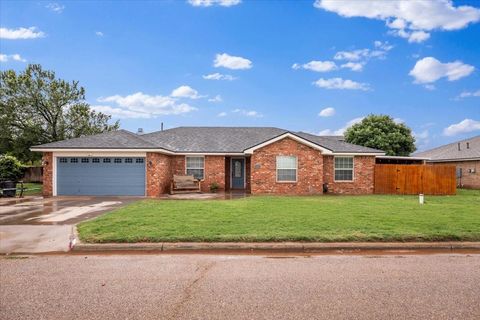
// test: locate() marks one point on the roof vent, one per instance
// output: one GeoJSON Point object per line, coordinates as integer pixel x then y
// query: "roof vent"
{"type": "Point", "coordinates": [140, 131]}
{"type": "Point", "coordinates": [468, 145]}
{"type": "Point", "coordinates": [458, 146]}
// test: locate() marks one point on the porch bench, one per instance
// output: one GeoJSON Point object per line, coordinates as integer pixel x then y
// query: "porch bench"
{"type": "Point", "coordinates": [184, 184]}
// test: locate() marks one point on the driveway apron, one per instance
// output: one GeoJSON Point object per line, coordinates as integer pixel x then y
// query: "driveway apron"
{"type": "Point", "coordinates": [37, 224]}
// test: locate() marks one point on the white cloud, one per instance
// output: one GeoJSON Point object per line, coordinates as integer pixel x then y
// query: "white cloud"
{"type": "Point", "coordinates": [99, 33]}
{"type": "Point", "coordinates": [341, 131]}
{"type": "Point", "coordinates": [55, 7]}
{"type": "Point", "coordinates": [341, 84]}
{"type": "Point", "coordinates": [407, 19]}
{"type": "Point", "coordinates": [219, 76]}
{"type": "Point", "coordinates": [121, 113]}
{"type": "Point", "coordinates": [209, 3]}
{"type": "Point", "coordinates": [141, 103]}
{"type": "Point", "coordinates": [248, 113]}
{"type": "Point", "coordinates": [186, 92]}
{"type": "Point", "coordinates": [9, 57]}
{"type": "Point", "coordinates": [379, 51]}
{"type": "Point", "coordinates": [231, 62]}
{"type": "Point", "coordinates": [354, 66]}
{"type": "Point", "coordinates": [327, 112]}
{"type": "Point", "coordinates": [465, 126]}
{"type": "Point", "coordinates": [422, 138]}
{"type": "Point", "coordinates": [317, 66]}
{"type": "Point", "coordinates": [429, 69]}
{"type": "Point", "coordinates": [217, 98]}
{"type": "Point", "coordinates": [222, 114]}
{"type": "Point", "coordinates": [467, 94]}
{"type": "Point", "coordinates": [430, 87]}
{"type": "Point", "coordinates": [21, 33]}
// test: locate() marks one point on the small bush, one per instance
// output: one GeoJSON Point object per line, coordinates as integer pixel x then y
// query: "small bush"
{"type": "Point", "coordinates": [10, 169]}
{"type": "Point", "coordinates": [214, 187]}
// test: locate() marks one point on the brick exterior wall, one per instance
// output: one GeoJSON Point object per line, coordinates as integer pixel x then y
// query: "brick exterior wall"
{"type": "Point", "coordinates": [309, 172]}
{"type": "Point", "coordinates": [364, 176]}
{"type": "Point", "coordinates": [469, 180]}
{"type": "Point", "coordinates": [214, 171]}
{"type": "Point", "coordinates": [159, 174]}
{"type": "Point", "coordinates": [47, 161]}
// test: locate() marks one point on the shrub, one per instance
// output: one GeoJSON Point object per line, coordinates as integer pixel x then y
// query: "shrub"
{"type": "Point", "coordinates": [214, 187]}
{"type": "Point", "coordinates": [10, 168]}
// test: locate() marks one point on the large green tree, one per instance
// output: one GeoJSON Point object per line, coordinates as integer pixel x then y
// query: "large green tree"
{"type": "Point", "coordinates": [382, 132]}
{"type": "Point", "coordinates": [36, 107]}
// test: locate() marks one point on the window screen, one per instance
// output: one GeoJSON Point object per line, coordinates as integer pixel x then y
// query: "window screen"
{"type": "Point", "coordinates": [343, 168]}
{"type": "Point", "coordinates": [195, 167]}
{"type": "Point", "coordinates": [286, 168]}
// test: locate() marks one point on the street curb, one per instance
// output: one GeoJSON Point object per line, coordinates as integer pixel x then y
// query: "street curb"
{"type": "Point", "coordinates": [293, 247]}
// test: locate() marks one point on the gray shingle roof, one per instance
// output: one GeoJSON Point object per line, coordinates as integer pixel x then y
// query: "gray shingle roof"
{"type": "Point", "coordinates": [200, 139]}
{"type": "Point", "coordinates": [120, 139]}
{"type": "Point", "coordinates": [212, 139]}
{"type": "Point", "coordinates": [336, 143]}
{"type": "Point", "coordinates": [451, 152]}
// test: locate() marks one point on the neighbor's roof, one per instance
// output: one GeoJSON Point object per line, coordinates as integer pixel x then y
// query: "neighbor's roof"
{"type": "Point", "coordinates": [200, 140]}
{"type": "Point", "coordinates": [450, 152]}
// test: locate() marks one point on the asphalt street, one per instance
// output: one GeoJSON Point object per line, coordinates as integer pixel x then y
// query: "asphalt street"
{"type": "Point", "coordinates": [443, 286]}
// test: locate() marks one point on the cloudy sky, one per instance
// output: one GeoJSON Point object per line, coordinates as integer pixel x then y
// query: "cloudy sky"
{"type": "Point", "coordinates": [316, 66]}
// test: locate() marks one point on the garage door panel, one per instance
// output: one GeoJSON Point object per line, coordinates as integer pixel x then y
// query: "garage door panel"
{"type": "Point", "coordinates": [100, 178]}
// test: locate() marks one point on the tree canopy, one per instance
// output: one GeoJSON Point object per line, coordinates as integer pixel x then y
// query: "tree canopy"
{"type": "Point", "coordinates": [382, 132]}
{"type": "Point", "coordinates": [36, 108]}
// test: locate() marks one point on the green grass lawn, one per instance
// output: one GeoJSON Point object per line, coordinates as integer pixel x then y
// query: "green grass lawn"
{"type": "Point", "coordinates": [273, 218]}
{"type": "Point", "coordinates": [32, 188]}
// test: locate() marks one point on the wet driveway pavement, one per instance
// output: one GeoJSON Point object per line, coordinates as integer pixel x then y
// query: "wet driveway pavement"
{"type": "Point", "coordinates": [37, 224]}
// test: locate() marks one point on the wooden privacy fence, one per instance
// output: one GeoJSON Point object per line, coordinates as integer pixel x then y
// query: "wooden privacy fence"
{"type": "Point", "coordinates": [415, 179]}
{"type": "Point", "coordinates": [33, 174]}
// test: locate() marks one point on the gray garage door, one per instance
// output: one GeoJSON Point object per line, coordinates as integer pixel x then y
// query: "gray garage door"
{"type": "Point", "coordinates": [101, 176]}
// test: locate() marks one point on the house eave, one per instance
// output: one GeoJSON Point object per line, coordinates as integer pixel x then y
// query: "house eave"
{"type": "Point", "coordinates": [291, 136]}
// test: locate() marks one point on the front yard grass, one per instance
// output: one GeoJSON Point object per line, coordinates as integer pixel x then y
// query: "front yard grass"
{"type": "Point", "coordinates": [33, 188]}
{"type": "Point", "coordinates": [275, 218]}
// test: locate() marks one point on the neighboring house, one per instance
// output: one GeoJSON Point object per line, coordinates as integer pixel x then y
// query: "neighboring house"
{"type": "Point", "coordinates": [465, 155]}
{"type": "Point", "coordinates": [254, 159]}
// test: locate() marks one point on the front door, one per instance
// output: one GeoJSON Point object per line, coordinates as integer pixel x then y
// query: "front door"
{"type": "Point", "coordinates": [238, 173]}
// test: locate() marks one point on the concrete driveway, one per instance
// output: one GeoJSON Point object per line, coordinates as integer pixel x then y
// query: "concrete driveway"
{"type": "Point", "coordinates": [37, 224]}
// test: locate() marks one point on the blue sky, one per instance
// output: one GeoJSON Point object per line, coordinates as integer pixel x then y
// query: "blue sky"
{"type": "Point", "coordinates": [280, 63]}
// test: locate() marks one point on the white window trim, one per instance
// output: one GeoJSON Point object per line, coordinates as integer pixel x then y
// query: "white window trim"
{"type": "Point", "coordinates": [196, 156]}
{"type": "Point", "coordinates": [296, 169]}
{"type": "Point", "coordinates": [353, 169]}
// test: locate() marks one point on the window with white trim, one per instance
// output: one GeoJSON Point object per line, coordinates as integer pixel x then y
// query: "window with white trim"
{"type": "Point", "coordinates": [286, 169]}
{"type": "Point", "coordinates": [343, 168]}
{"type": "Point", "coordinates": [195, 166]}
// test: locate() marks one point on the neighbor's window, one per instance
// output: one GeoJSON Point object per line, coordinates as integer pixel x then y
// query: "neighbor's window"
{"type": "Point", "coordinates": [286, 169]}
{"type": "Point", "coordinates": [95, 160]}
{"type": "Point", "coordinates": [117, 160]}
{"type": "Point", "coordinates": [128, 160]}
{"type": "Point", "coordinates": [343, 168]}
{"type": "Point", "coordinates": [195, 167]}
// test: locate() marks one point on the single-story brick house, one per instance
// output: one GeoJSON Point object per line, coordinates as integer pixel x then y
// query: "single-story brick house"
{"type": "Point", "coordinates": [465, 155]}
{"type": "Point", "coordinates": [254, 159]}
